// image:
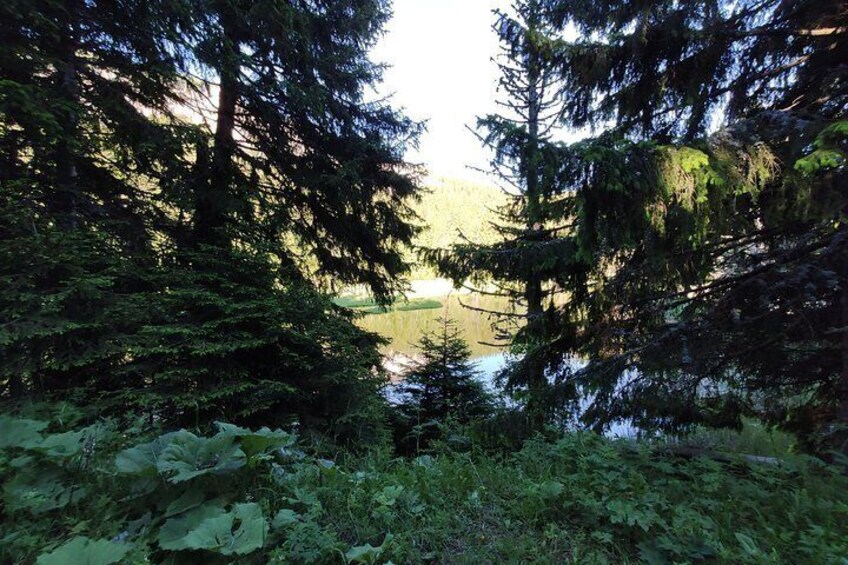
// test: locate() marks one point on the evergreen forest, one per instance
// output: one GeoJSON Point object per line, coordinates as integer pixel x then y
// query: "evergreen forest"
{"type": "Point", "coordinates": [201, 202]}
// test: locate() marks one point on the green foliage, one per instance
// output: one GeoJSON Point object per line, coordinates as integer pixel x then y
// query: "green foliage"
{"type": "Point", "coordinates": [661, 69]}
{"type": "Point", "coordinates": [451, 212]}
{"type": "Point", "coordinates": [180, 492]}
{"type": "Point", "coordinates": [219, 344]}
{"type": "Point", "coordinates": [145, 254]}
{"type": "Point", "coordinates": [439, 388]}
{"type": "Point", "coordinates": [209, 527]}
{"type": "Point", "coordinates": [15, 432]}
{"type": "Point", "coordinates": [689, 235]}
{"type": "Point", "coordinates": [369, 306]}
{"type": "Point", "coordinates": [754, 438]}
{"type": "Point", "coordinates": [368, 553]}
{"type": "Point", "coordinates": [525, 255]}
{"type": "Point", "coordinates": [66, 325]}
{"type": "Point", "coordinates": [188, 456]}
{"type": "Point", "coordinates": [85, 552]}
{"type": "Point", "coordinates": [829, 154]}
{"type": "Point", "coordinates": [576, 498]}
{"type": "Point", "coordinates": [405, 306]}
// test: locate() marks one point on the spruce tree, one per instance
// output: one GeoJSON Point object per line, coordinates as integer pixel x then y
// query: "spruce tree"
{"type": "Point", "coordinates": [297, 165]}
{"type": "Point", "coordinates": [156, 262]}
{"type": "Point", "coordinates": [708, 243]}
{"type": "Point", "coordinates": [297, 151]}
{"type": "Point", "coordinates": [443, 384]}
{"type": "Point", "coordinates": [80, 151]}
{"type": "Point", "coordinates": [523, 263]}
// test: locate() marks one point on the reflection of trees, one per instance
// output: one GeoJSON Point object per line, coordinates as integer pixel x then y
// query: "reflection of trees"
{"type": "Point", "coordinates": [404, 328]}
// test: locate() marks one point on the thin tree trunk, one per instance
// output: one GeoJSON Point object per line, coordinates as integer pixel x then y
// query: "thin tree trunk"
{"type": "Point", "coordinates": [842, 390]}
{"type": "Point", "coordinates": [67, 195]}
{"type": "Point", "coordinates": [533, 287]}
{"type": "Point", "coordinates": [9, 167]}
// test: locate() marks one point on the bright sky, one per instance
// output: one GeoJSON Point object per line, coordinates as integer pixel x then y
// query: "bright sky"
{"type": "Point", "coordinates": [440, 54]}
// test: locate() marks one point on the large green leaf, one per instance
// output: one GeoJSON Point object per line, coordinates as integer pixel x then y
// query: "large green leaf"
{"type": "Point", "coordinates": [284, 518]}
{"type": "Point", "coordinates": [195, 529]}
{"type": "Point", "coordinates": [16, 432]}
{"type": "Point", "coordinates": [190, 499]}
{"type": "Point", "coordinates": [368, 553]}
{"type": "Point", "coordinates": [254, 443]}
{"type": "Point", "coordinates": [212, 528]}
{"type": "Point", "coordinates": [388, 496]}
{"type": "Point", "coordinates": [189, 456]}
{"type": "Point", "coordinates": [39, 490]}
{"type": "Point", "coordinates": [85, 551]}
{"type": "Point", "coordinates": [143, 459]}
{"type": "Point", "coordinates": [62, 445]}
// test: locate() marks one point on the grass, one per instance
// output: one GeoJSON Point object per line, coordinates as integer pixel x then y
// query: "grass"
{"type": "Point", "coordinates": [755, 438]}
{"type": "Point", "coordinates": [354, 301]}
{"type": "Point", "coordinates": [584, 499]}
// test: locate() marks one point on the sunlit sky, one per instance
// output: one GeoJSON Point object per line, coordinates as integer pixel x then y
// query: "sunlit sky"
{"type": "Point", "coordinates": [441, 72]}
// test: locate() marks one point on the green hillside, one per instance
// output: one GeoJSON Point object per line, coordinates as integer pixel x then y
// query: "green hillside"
{"type": "Point", "coordinates": [452, 208]}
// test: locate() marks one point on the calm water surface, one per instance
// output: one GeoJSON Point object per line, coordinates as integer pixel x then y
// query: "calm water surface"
{"type": "Point", "coordinates": [404, 329]}
{"type": "Point", "coordinates": [488, 352]}
{"type": "Point", "coordinates": [479, 329]}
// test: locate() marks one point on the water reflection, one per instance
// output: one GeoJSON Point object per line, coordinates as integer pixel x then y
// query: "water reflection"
{"type": "Point", "coordinates": [489, 354]}
{"type": "Point", "coordinates": [404, 328]}
{"type": "Point", "coordinates": [489, 366]}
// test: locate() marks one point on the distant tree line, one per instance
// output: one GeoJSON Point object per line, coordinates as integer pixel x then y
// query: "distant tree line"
{"type": "Point", "coordinates": [453, 211]}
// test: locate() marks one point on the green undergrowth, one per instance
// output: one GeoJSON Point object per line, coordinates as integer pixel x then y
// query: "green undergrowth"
{"type": "Point", "coordinates": [100, 495]}
{"type": "Point", "coordinates": [754, 438]}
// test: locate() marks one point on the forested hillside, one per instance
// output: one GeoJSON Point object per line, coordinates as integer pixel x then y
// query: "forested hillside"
{"type": "Point", "coordinates": [447, 212]}
{"type": "Point", "coordinates": [186, 184]}
{"type": "Point", "coordinates": [451, 211]}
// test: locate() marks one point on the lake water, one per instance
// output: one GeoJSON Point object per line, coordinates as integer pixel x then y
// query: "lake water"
{"type": "Point", "coordinates": [404, 328]}
{"type": "Point", "coordinates": [484, 335]}
{"type": "Point", "coordinates": [479, 329]}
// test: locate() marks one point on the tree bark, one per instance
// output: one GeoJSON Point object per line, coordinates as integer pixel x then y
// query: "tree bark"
{"type": "Point", "coordinates": [67, 82]}
{"type": "Point", "coordinates": [533, 287]}
{"type": "Point", "coordinates": [842, 389]}
{"type": "Point", "coordinates": [213, 193]}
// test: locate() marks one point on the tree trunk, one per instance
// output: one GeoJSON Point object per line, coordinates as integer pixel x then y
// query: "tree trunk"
{"type": "Point", "coordinates": [842, 389]}
{"type": "Point", "coordinates": [67, 190]}
{"type": "Point", "coordinates": [533, 288]}
{"type": "Point", "coordinates": [213, 193]}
